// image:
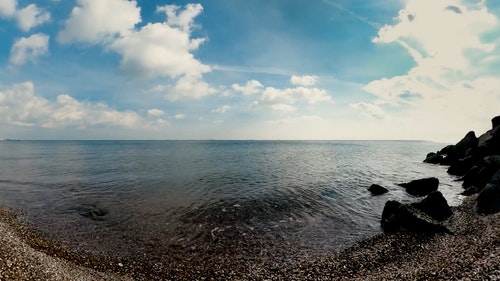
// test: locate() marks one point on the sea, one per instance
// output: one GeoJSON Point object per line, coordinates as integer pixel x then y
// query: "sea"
{"type": "Point", "coordinates": [178, 199]}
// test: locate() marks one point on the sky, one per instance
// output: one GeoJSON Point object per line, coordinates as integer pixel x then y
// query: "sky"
{"type": "Point", "coordinates": [260, 69]}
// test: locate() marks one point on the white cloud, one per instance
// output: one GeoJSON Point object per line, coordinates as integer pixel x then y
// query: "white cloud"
{"type": "Point", "coordinates": [306, 80]}
{"type": "Point", "coordinates": [189, 87]}
{"type": "Point", "coordinates": [158, 50]}
{"type": "Point", "coordinates": [8, 8]}
{"type": "Point", "coordinates": [27, 17]}
{"type": "Point", "coordinates": [292, 95]}
{"type": "Point", "coordinates": [222, 109]}
{"type": "Point", "coordinates": [180, 116]}
{"type": "Point", "coordinates": [99, 21]}
{"type": "Point", "coordinates": [369, 109]}
{"type": "Point", "coordinates": [283, 108]}
{"type": "Point", "coordinates": [31, 16]}
{"type": "Point", "coordinates": [28, 49]}
{"type": "Point", "coordinates": [453, 74]}
{"type": "Point", "coordinates": [154, 50]}
{"type": "Point", "coordinates": [155, 112]}
{"type": "Point", "coordinates": [250, 88]}
{"type": "Point", "coordinates": [20, 106]}
{"type": "Point", "coordinates": [183, 19]}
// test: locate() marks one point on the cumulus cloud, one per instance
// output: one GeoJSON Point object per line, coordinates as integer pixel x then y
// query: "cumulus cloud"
{"type": "Point", "coordinates": [99, 21]}
{"type": "Point", "coordinates": [20, 106]}
{"type": "Point", "coordinates": [369, 109]}
{"type": "Point", "coordinates": [292, 95]}
{"type": "Point", "coordinates": [184, 19]}
{"type": "Point", "coordinates": [155, 50]}
{"type": "Point", "coordinates": [31, 16]}
{"type": "Point", "coordinates": [8, 8]}
{"type": "Point", "coordinates": [27, 17]}
{"type": "Point", "coordinates": [155, 112]}
{"type": "Point", "coordinates": [159, 50]}
{"type": "Point", "coordinates": [285, 100]}
{"type": "Point", "coordinates": [453, 73]}
{"type": "Point", "coordinates": [221, 109]}
{"type": "Point", "coordinates": [250, 88]}
{"type": "Point", "coordinates": [306, 80]}
{"type": "Point", "coordinates": [180, 116]}
{"type": "Point", "coordinates": [29, 48]}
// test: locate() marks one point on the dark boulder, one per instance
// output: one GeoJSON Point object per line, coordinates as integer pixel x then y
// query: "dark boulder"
{"type": "Point", "coordinates": [421, 187]}
{"type": "Point", "coordinates": [471, 177]}
{"type": "Point", "coordinates": [495, 179]}
{"type": "Point", "coordinates": [404, 217]}
{"type": "Point", "coordinates": [434, 158]}
{"type": "Point", "coordinates": [435, 205]}
{"type": "Point", "coordinates": [489, 142]}
{"type": "Point", "coordinates": [488, 201]}
{"type": "Point", "coordinates": [447, 150]}
{"type": "Point", "coordinates": [495, 121]}
{"type": "Point", "coordinates": [470, 191]}
{"type": "Point", "coordinates": [465, 146]}
{"type": "Point", "coordinates": [461, 166]}
{"type": "Point", "coordinates": [376, 189]}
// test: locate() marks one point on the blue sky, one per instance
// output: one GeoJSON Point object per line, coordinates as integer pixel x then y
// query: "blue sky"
{"type": "Point", "coordinates": [231, 69]}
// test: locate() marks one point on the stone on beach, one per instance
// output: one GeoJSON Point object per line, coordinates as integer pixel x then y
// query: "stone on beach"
{"type": "Point", "coordinates": [405, 217]}
{"type": "Point", "coordinates": [434, 205]}
{"type": "Point", "coordinates": [421, 187]}
{"type": "Point", "coordinates": [488, 201]}
{"type": "Point", "coordinates": [376, 189]}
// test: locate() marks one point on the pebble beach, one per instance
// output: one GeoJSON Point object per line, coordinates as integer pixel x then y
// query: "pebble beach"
{"type": "Point", "coordinates": [470, 253]}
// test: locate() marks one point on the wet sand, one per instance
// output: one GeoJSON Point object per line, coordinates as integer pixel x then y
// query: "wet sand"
{"type": "Point", "coordinates": [473, 252]}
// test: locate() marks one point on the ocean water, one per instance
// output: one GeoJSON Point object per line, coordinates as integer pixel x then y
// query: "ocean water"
{"type": "Point", "coordinates": [171, 199]}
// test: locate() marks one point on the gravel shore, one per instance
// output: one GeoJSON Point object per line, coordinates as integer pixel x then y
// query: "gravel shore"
{"type": "Point", "coordinates": [471, 253]}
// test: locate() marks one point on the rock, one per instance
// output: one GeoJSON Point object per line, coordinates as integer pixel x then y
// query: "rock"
{"type": "Point", "coordinates": [434, 205]}
{"type": "Point", "coordinates": [461, 166]}
{"type": "Point", "coordinates": [470, 191]}
{"type": "Point", "coordinates": [492, 161]}
{"type": "Point", "coordinates": [489, 142]}
{"type": "Point", "coordinates": [376, 189]}
{"type": "Point", "coordinates": [495, 121]}
{"type": "Point", "coordinates": [495, 179]}
{"type": "Point", "coordinates": [94, 214]}
{"type": "Point", "coordinates": [421, 187]}
{"type": "Point", "coordinates": [488, 201]}
{"type": "Point", "coordinates": [465, 145]}
{"type": "Point", "coordinates": [434, 158]}
{"type": "Point", "coordinates": [447, 150]}
{"type": "Point", "coordinates": [404, 217]}
{"type": "Point", "coordinates": [471, 177]}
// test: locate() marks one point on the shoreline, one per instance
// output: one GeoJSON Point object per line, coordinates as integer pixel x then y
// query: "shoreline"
{"type": "Point", "coordinates": [471, 252]}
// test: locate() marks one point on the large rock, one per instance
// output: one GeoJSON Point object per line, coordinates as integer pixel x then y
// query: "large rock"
{"type": "Point", "coordinates": [435, 205]}
{"type": "Point", "coordinates": [465, 146]}
{"type": "Point", "coordinates": [495, 179]}
{"type": "Point", "coordinates": [404, 217]}
{"type": "Point", "coordinates": [461, 166]}
{"type": "Point", "coordinates": [495, 121]}
{"type": "Point", "coordinates": [376, 189]}
{"type": "Point", "coordinates": [434, 158]}
{"type": "Point", "coordinates": [421, 187]}
{"type": "Point", "coordinates": [489, 142]}
{"type": "Point", "coordinates": [488, 201]}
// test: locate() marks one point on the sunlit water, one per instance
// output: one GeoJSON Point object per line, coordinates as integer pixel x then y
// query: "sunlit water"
{"type": "Point", "coordinates": [168, 198]}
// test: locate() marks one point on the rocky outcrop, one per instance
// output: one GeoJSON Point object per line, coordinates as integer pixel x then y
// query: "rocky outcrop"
{"type": "Point", "coordinates": [478, 161]}
{"type": "Point", "coordinates": [488, 201]}
{"type": "Point", "coordinates": [376, 189]}
{"type": "Point", "coordinates": [405, 217]}
{"type": "Point", "coordinates": [435, 205]}
{"type": "Point", "coordinates": [421, 187]}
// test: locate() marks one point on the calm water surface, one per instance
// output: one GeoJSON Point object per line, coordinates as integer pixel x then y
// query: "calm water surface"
{"type": "Point", "coordinates": [188, 197]}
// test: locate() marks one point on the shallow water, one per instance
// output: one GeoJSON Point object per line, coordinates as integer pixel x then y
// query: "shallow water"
{"type": "Point", "coordinates": [167, 198]}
